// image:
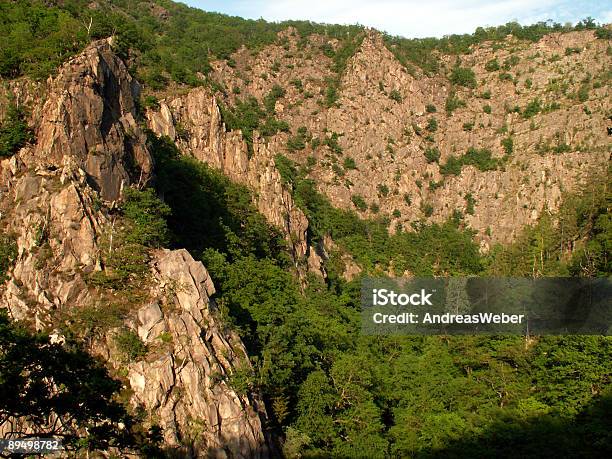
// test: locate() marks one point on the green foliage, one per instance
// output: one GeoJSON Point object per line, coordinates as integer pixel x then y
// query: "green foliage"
{"type": "Point", "coordinates": [247, 116]}
{"type": "Point", "coordinates": [511, 61]}
{"type": "Point", "coordinates": [582, 222]}
{"type": "Point", "coordinates": [338, 393]}
{"type": "Point", "coordinates": [285, 168]}
{"type": "Point", "coordinates": [349, 163]}
{"type": "Point", "coordinates": [14, 131]}
{"type": "Point", "coordinates": [218, 214]}
{"type": "Point", "coordinates": [487, 109]}
{"type": "Point", "coordinates": [603, 33]}
{"type": "Point", "coordinates": [430, 108]}
{"type": "Point", "coordinates": [452, 166]}
{"type": "Point", "coordinates": [583, 92]}
{"type": "Point", "coordinates": [43, 381]}
{"type": "Point", "coordinates": [470, 202]}
{"type": "Point", "coordinates": [432, 125]}
{"type": "Point", "coordinates": [463, 76]}
{"type": "Point", "coordinates": [383, 190]}
{"type": "Point", "coordinates": [481, 159]}
{"type": "Point", "coordinates": [359, 202]}
{"type": "Point", "coordinates": [130, 345]}
{"type": "Point", "coordinates": [432, 155]}
{"type": "Point", "coordinates": [492, 65]}
{"type": "Point", "coordinates": [453, 103]}
{"type": "Point", "coordinates": [427, 209]}
{"type": "Point", "coordinates": [147, 215]}
{"type": "Point", "coordinates": [533, 108]}
{"type": "Point", "coordinates": [275, 94]}
{"type": "Point", "coordinates": [299, 141]}
{"type": "Point", "coordinates": [8, 254]}
{"type": "Point", "coordinates": [508, 145]}
{"type": "Point", "coordinates": [395, 95]}
{"type": "Point", "coordinates": [331, 142]}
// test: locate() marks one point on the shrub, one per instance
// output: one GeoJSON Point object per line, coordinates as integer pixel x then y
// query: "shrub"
{"type": "Point", "coordinates": [285, 168]}
{"type": "Point", "coordinates": [453, 103]}
{"type": "Point", "coordinates": [603, 33]}
{"type": "Point", "coordinates": [270, 100]}
{"type": "Point", "coordinates": [8, 254]}
{"type": "Point", "coordinates": [468, 126]}
{"type": "Point", "coordinates": [150, 102]}
{"type": "Point", "coordinates": [396, 213]}
{"type": "Point", "coordinates": [14, 131]}
{"type": "Point", "coordinates": [481, 159]}
{"type": "Point", "coordinates": [432, 125]}
{"type": "Point", "coordinates": [299, 141]}
{"type": "Point", "coordinates": [383, 190]}
{"type": "Point", "coordinates": [583, 92]}
{"type": "Point", "coordinates": [486, 94]}
{"type": "Point", "coordinates": [430, 108]}
{"type": "Point", "coordinates": [130, 345]}
{"type": "Point", "coordinates": [470, 202]}
{"type": "Point", "coordinates": [533, 108]}
{"type": "Point", "coordinates": [331, 94]}
{"type": "Point", "coordinates": [359, 202]}
{"type": "Point", "coordinates": [147, 218]}
{"type": "Point", "coordinates": [332, 143]}
{"type": "Point", "coordinates": [432, 155]}
{"type": "Point", "coordinates": [427, 209]}
{"type": "Point", "coordinates": [487, 109]}
{"type": "Point", "coordinates": [395, 95]}
{"type": "Point", "coordinates": [492, 65]}
{"type": "Point", "coordinates": [349, 163]}
{"type": "Point", "coordinates": [297, 83]}
{"type": "Point", "coordinates": [452, 166]}
{"type": "Point", "coordinates": [511, 62]}
{"type": "Point", "coordinates": [463, 76]}
{"type": "Point", "coordinates": [508, 145]}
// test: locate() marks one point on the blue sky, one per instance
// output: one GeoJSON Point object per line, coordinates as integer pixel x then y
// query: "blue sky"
{"type": "Point", "coordinates": [415, 18]}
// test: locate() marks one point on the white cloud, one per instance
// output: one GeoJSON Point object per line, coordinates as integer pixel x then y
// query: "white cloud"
{"type": "Point", "coordinates": [412, 18]}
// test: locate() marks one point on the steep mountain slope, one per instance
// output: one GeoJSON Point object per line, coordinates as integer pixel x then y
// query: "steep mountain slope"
{"type": "Point", "coordinates": [71, 254]}
{"type": "Point", "coordinates": [537, 126]}
{"type": "Point", "coordinates": [173, 228]}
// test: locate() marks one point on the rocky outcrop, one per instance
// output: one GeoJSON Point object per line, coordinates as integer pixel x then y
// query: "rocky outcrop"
{"type": "Point", "coordinates": [54, 202]}
{"type": "Point", "coordinates": [383, 115]}
{"type": "Point", "coordinates": [186, 383]}
{"type": "Point", "coordinates": [205, 138]}
{"type": "Point", "coordinates": [50, 213]}
{"type": "Point", "coordinates": [90, 115]}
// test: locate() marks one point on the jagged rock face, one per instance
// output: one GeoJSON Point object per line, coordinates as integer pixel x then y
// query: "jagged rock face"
{"type": "Point", "coordinates": [206, 139]}
{"type": "Point", "coordinates": [187, 387]}
{"type": "Point", "coordinates": [50, 200]}
{"type": "Point", "coordinates": [554, 151]}
{"type": "Point", "coordinates": [90, 115]}
{"type": "Point", "coordinates": [51, 214]}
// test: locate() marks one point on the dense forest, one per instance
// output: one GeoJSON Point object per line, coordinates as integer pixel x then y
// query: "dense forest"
{"type": "Point", "coordinates": [330, 391]}
{"type": "Point", "coordinates": [157, 38]}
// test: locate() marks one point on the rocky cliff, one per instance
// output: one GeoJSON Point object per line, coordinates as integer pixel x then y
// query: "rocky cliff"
{"type": "Point", "coordinates": [204, 137]}
{"type": "Point", "coordinates": [57, 202]}
{"type": "Point", "coordinates": [540, 108]}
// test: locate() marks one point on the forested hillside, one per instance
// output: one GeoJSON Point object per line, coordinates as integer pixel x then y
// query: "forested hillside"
{"type": "Point", "coordinates": [280, 164]}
